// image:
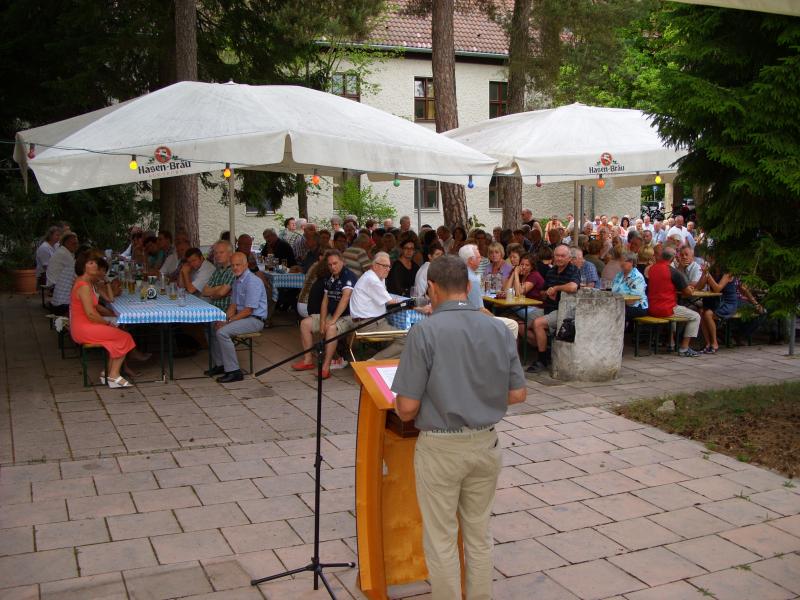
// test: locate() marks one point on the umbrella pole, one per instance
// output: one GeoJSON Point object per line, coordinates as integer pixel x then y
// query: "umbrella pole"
{"type": "Point", "coordinates": [576, 207]}
{"type": "Point", "coordinates": [232, 209]}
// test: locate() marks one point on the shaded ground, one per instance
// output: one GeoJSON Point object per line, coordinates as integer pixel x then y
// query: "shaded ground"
{"type": "Point", "coordinates": [756, 424]}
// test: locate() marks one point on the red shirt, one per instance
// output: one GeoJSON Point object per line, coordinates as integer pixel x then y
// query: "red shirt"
{"type": "Point", "coordinates": [663, 284]}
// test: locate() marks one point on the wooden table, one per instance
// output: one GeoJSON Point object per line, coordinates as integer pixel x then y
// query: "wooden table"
{"type": "Point", "coordinates": [515, 302]}
{"type": "Point", "coordinates": [705, 294]}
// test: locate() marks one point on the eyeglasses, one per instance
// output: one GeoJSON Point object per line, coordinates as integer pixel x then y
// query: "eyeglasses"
{"type": "Point", "coordinates": [383, 265]}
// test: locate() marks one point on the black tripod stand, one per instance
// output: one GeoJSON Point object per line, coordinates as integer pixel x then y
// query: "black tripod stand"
{"type": "Point", "coordinates": [315, 566]}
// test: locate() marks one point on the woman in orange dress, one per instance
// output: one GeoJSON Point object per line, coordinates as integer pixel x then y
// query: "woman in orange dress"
{"type": "Point", "coordinates": [86, 324]}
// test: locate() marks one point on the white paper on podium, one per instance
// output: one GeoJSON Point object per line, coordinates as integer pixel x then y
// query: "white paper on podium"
{"type": "Point", "coordinates": [387, 378]}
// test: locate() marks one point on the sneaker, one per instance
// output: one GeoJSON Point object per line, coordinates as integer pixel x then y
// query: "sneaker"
{"type": "Point", "coordinates": [536, 367]}
{"type": "Point", "coordinates": [688, 352]}
{"type": "Point", "coordinates": [338, 363]}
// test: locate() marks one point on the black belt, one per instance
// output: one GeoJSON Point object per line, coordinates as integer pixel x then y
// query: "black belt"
{"type": "Point", "coordinates": [262, 319]}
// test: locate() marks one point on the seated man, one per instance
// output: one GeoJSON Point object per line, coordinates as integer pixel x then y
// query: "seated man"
{"type": "Point", "coordinates": [246, 314]}
{"type": "Point", "coordinates": [589, 276]}
{"type": "Point", "coordinates": [195, 272]}
{"type": "Point", "coordinates": [63, 258]}
{"type": "Point", "coordinates": [279, 248]}
{"type": "Point", "coordinates": [356, 257]}
{"type": "Point", "coordinates": [371, 299]}
{"type": "Point", "coordinates": [665, 282]}
{"type": "Point", "coordinates": [218, 289]}
{"type": "Point", "coordinates": [563, 277]}
{"type": "Point", "coordinates": [630, 282]}
{"type": "Point", "coordinates": [334, 317]}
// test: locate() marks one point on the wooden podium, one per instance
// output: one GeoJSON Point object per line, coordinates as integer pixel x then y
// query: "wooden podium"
{"type": "Point", "coordinates": [388, 522]}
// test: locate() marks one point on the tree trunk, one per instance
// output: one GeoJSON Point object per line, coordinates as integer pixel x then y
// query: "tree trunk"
{"type": "Point", "coordinates": [302, 196]}
{"type": "Point", "coordinates": [454, 199]}
{"type": "Point", "coordinates": [509, 189]}
{"type": "Point", "coordinates": [184, 189]}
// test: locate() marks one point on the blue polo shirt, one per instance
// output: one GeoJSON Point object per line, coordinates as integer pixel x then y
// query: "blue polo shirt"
{"type": "Point", "coordinates": [633, 284]}
{"type": "Point", "coordinates": [249, 292]}
{"type": "Point", "coordinates": [335, 287]}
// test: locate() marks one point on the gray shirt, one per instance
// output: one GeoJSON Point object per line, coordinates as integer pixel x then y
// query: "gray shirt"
{"type": "Point", "coordinates": [475, 296]}
{"type": "Point", "coordinates": [459, 383]}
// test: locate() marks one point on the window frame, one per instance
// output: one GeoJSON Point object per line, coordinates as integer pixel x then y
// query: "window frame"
{"type": "Point", "coordinates": [429, 116]}
{"type": "Point", "coordinates": [424, 188]}
{"type": "Point", "coordinates": [347, 77]}
{"type": "Point", "coordinates": [501, 103]}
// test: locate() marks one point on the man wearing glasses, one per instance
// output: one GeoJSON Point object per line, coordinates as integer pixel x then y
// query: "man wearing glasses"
{"type": "Point", "coordinates": [371, 299]}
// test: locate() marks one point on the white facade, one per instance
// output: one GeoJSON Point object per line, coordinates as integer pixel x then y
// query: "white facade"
{"type": "Point", "coordinates": [396, 95]}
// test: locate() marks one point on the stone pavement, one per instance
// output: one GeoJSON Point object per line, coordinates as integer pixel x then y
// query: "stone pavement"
{"type": "Point", "coordinates": [189, 489]}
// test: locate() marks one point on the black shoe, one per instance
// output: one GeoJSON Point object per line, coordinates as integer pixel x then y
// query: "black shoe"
{"type": "Point", "coordinates": [536, 367]}
{"type": "Point", "coordinates": [214, 371]}
{"type": "Point", "coordinates": [231, 377]}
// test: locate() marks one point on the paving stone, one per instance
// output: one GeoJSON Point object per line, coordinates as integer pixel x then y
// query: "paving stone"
{"type": "Point", "coordinates": [781, 501]}
{"type": "Point", "coordinates": [15, 493]}
{"type": "Point", "coordinates": [656, 566]}
{"type": "Point", "coordinates": [735, 584]}
{"type": "Point", "coordinates": [713, 553]}
{"type": "Point", "coordinates": [71, 533]}
{"type": "Point", "coordinates": [94, 466]}
{"type": "Point", "coordinates": [510, 527]}
{"type": "Point", "coordinates": [739, 511]}
{"type": "Point", "coordinates": [595, 579]}
{"type": "Point", "coordinates": [763, 539]}
{"type": "Point", "coordinates": [543, 451]}
{"type": "Point", "coordinates": [535, 435]}
{"type": "Point", "coordinates": [636, 534]}
{"type": "Point", "coordinates": [126, 482]}
{"type": "Point", "coordinates": [622, 506]}
{"type": "Point", "coordinates": [38, 567]}
{"type": "Point", "coordinates": [759, 480]}
{"type": "Point", "coordinates": [582, 545]}
{"type": "Point", "coordinates": [717, 487]}
{"type": "Point", "coordinates": [245, 469]}
{"type": "Point", "coordinates": [558, 492]}
{"type": "Point", "coordinates": [626, 439]}
{"type": "Point", "coordinates": [677, 590]}
{"type": "Point", "coordinates": [513, 477]}
{"type": "Point", "coordinates": [228, 491]}
{"type": "Point", "coordinates": [33, 513]}
{"type": "Point", "coordinates": [100, 506]}
{"type": "Point", "coordinates": [599, 462]}
{"type": "Point", "coordinates": [513, 500]}
{"type": "Point", "coordinates": [275, 509]}
{"type": "Point", "coordinates": [653, 475]}
{"type": "Point", "coordinates": [63, 488]}
{"type": "Point", "coordinates": [260, 536]}
{"type": "Point", "coordinates": [27, 592]}
{"type": "Point", "coordinates": [171, 581]}
{"type": "Point", "coordinates": [16, 540]}
{"type": "Point", "coordinates": [682, 448]}
{"type": "Point", "coordinates": [550, 470]}
{"type": "Point", "coordinates": [255, 451]}
{"type": "Point", "coordinates": [783, 571]}
{"type": "Point", "coordinates": [690, 522]}
{"type": "Point", "coordinates": [332, 526]}
{"type": "Point", "coordinates": [185, 476]}
{"type": "Point", "coordinates": [531, 420]}
{"type": "Point", "coordinates": [605, 484]}
{"type": "Point", "coordinates": [567, 517]}
{"type": "Point", "coordinates": [524, 556]}
{"type": "Point", "coordinates": [115, 556]}
{"type": "Point", "coordinates": [182, 547]}
{"type": "Point", "coordinates": [146, 462]}
{"type": "Point", "coordinates": [211, 517]}
{"type": "Point", "coordinates": [586, 445]}
{"type": "Point", "coordinates": [533, 585]}
{"type": "Point", "coordinates": [334, 551]}
{"type": "Point", "coordinates": [697, 467]}
{"type": "Point", "coordinates": [180, 497]}
{"type": "Point", "coordinates": [788, 524]}
{"type": "Point", "coordinates": [282, 485]}
{"type": "Point", "coordinates": [670, 497]}
{"type": "Point", "coordinates": [108, 586]}
{"type": "Point", "coordinates": [641, 455]}
{"type": "Point", "coordinates": [147, 524]}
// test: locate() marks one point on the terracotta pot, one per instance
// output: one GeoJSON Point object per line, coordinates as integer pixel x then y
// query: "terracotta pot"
{"type": "Point", "coordinates": [24, 281]}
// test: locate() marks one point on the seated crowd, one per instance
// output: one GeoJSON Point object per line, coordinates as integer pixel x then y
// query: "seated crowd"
{"type": "Point", "coordinates": [352, 271]}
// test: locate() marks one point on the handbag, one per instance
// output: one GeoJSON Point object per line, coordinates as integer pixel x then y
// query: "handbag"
{"type": "Point", "coordinates": [566, 333]}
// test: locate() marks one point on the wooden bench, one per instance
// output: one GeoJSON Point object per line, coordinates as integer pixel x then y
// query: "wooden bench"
{"type": "Point", "coordinates": [245, 340]}
{"type": "Point", "coordinates": [46, 290]}
{"type": "Point", "coordinates": [727, 325]}
{"type": "Point", "coordinates": [85, 348]}
{"type": "Point", "coordinates": [61, 334]}
{"type": "Point", "coordinates": [374, 337]}
{"type": "Point", "coordinates": [650, 323]}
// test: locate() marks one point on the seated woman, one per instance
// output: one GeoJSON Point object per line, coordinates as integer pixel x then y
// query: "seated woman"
{"type": "Point", "coordinates": [435, 250]}
{"type": "Point", "coordinates": [513, 253]}
{"type": "Point", "coordinates": [526, 281]}
{"type": "Point", "coordinates": [87, 325]}
{"type": "Point", "coordinates": [498, 268]}
{"type": "Point", "coordinates": [404, 270]}
{"type": "Point", "coordinates": [614, 264]}
{"type": "Point", "coordinates": [544, 260]}
{"type": "Point", "coordinates": [459, 239]}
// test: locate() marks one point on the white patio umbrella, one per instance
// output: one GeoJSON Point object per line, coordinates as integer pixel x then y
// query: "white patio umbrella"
{"type": "Point", "coordinates": [194, 127]}
{"type": "Point", "coordinates": [574, 143]}
{"type": "Point", "coordinates": [781, 7]}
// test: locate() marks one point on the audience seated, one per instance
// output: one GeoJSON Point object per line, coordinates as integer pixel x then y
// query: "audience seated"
{"type": "Point", "coordinates": [630, 282]}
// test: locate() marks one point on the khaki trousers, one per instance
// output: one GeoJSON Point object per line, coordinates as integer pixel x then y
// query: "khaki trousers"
{"type": "Point", "coordinates": [393, 350]}
{"type": "Point", "coordinates": [456, 476]}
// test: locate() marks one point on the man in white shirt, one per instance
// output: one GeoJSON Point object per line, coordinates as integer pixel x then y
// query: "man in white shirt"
{"type": "Point", "coordinates": [370, 299]}
{"type": "Point", "coordinates": [678, 229]}
{"type": "Point", "coordinates": [46, 250]}
{"type": "Point", "coordinates": [63, 258]}
{"type": "Point", "coordinates": [646, 224]}
{"type": "Point", "coordinates": [659, 233]}
{"type": "Point", "coordinates": [195, 272]}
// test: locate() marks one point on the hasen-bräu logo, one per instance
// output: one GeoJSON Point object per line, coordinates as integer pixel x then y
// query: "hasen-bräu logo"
{"type": "Point", "coordinates": [606, 164]}
{"type": "Point", "coordinates": [164, 163]}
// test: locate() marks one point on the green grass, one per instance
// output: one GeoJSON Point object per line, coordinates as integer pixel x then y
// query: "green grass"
{"type": "Point", "coordinates": [759, 424]}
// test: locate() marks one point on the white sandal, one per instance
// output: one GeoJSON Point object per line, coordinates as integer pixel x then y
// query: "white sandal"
{"type": "Point", "coordinates": [103, 378]}
{"type": "Point", "coordinates": [119, 382]}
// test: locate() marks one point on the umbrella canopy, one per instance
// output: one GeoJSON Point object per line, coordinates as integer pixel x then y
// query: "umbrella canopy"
{"type": "Point", "coordinates": [193, 127]}
{"type": "Point", "coordinates": [574, 143]}
{"type": "Point", "coordinates": [781, 7]}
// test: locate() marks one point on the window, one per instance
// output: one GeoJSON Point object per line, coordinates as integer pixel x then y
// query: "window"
{"type": "Point", "coordinates": [423, 99]}
{"type": "Point", "coordinates": [498, 99]}
{"type": "Point", "coordinates": [495, 201]}
{"type": "Point", "coordinates": [426, 194]}
{"type": "Point", "coordinates": [251, 210]}
{"type": "Point", "coordinates": [346, 85]}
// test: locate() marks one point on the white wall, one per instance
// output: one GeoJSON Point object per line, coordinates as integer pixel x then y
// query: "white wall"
{"type": "Point", "coordinates": [396, 95]}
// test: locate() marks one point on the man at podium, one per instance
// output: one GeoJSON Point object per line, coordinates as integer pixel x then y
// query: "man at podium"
{"type": "Point", "coordinates": [455, 396]}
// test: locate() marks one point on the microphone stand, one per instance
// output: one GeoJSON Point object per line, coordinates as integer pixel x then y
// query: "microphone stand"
{"type": "Point", "coordinates": [315, 566]}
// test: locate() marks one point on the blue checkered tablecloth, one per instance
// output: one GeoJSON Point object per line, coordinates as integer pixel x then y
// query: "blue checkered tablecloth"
{"type": "Point", "coordinates": [285, 280]}
{"type": "Point", "coordinates": [131, 310]}
{"type": "Point", "coordinates": [404, 319]}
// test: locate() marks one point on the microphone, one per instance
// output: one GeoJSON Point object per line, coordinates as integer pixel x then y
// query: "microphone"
{"type": "Point", "coordinates": [410, 303]}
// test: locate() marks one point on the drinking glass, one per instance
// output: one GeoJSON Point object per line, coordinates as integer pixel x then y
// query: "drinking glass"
{"type": "Point", "coordinates": [412, 291]}
{"type": "Point", "coordinates": [181, 297]}
{"type": "Point", "coordinates": [173, 291]}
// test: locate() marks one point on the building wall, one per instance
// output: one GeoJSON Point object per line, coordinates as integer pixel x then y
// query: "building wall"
{"type": "Point", "coordinates": [396, 96]}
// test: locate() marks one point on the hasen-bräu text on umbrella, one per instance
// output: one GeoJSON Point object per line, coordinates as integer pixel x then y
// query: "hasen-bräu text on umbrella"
{"type": "Point", "coordinates": [164, 169]}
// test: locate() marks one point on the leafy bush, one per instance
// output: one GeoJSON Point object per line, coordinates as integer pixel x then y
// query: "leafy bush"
{"type": "Point", "coordinates": [363, 202]}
